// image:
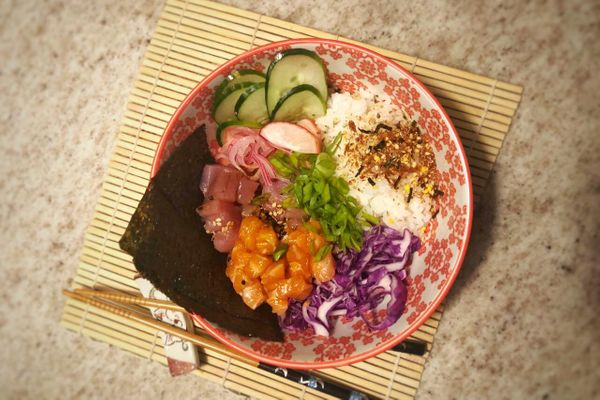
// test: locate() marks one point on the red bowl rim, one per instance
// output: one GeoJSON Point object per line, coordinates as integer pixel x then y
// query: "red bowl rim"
{"type": "Point", "coordinates": [462, 252]}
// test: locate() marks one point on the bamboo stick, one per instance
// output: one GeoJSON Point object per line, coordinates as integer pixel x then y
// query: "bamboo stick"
{"type": "Point", "coordinates": [115, 167]}
{"type": "Point", "coordinates": [154, 90]}
{"type": "Point", "coordinates": [143, 167]}
{"type": "Point", "coordinates": [157, 105]}
{"type": "Point", "coordinates": [129, 299]}
{"type": "Point", "coordinates": [195, 339]}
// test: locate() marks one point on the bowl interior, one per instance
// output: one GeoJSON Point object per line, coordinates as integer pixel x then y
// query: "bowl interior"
{"type": "Point", "coordinates": [433, 268]}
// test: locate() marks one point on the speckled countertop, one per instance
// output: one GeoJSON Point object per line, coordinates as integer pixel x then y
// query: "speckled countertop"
{"type": "Point", "coordinates": [522, 320]}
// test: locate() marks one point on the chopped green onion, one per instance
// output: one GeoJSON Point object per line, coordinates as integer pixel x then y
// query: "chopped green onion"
{"type": "Point", "coordinates": [370, 218]}
{"type": "Point", "coordinates": [326, 195]}
{"type": "Point", "coordinates": [322, 195]}
{"type": "Point", "coordinates": [280, 251]}
{"type": "Point", "coordinates": [289, 202]}
{"type": "Point", "coordinates": [310, 227]}
{"type": "Point", "coordinates": [260, 199]}
{"type": "Point", "coordinates": [333, 147]}
{"type": "Point", "coordinates": [294, 159]}
{"type": "Point", "coordinates": [325, 164]}
{"type": "Point", "coordinates": [281, 163]}
{"type": "Point", "coordinates": [323, 252]}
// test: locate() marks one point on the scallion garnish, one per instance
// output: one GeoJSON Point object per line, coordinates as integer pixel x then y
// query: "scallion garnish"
{"type": "Point", "coordinates": [280, 251]}
{"type": "Point", "coordinates": [322, 195]}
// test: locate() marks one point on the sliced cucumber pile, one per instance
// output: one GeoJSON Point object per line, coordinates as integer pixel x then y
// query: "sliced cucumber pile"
{"type": "Point", "coordinates": [224, 105]}
{"type": "Point", "coordinates": [251, 105]}
{"type": "Point", "coordinates": [303, 101]}
{"type": "Point", "coordinates": [292, 68]}
{"type": "Point", "coordinates": [241, 76]}
{"type": "Point", "coordinates": [294, 88]}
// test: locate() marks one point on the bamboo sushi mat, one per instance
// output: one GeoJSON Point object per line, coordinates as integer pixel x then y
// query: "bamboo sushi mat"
{"type": "Point", "coordinates": [193, 38]}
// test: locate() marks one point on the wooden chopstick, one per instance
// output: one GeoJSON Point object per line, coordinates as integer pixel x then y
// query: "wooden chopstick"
{"type": "Point", "coordinates": [130, 299]}
{"type": "Point", "coordinates": [300, 377]}
{"type": "Point", "coordinates": [159, 325]}
{"type": "Point", "coordinates": [408, 346]}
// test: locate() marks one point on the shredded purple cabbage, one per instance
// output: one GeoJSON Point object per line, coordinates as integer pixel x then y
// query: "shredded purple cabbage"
{"type": "Point", "coordinates": [362, 280]}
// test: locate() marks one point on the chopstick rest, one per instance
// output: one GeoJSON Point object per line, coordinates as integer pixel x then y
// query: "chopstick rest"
{"type": "Point", "coordinates": [182, 355]}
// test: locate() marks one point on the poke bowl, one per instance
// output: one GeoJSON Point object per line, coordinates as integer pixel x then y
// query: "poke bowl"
{"type": "Point", "coordinates": [439, 246]}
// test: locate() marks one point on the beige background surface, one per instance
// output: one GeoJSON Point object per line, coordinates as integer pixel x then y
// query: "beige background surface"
{"type": "Point", "coordinates": [522, 320]}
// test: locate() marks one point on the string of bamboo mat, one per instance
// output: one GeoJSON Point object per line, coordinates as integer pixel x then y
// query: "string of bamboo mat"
{"type": "Point", "coordinates": [191, 39]}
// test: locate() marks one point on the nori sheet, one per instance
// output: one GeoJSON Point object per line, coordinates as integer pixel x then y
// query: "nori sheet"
{"type": "Point", "coordinates": [171, 249]}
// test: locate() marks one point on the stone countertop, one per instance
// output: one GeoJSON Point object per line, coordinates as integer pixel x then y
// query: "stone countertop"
{"type": "Point", "coordinates": [521, 321]}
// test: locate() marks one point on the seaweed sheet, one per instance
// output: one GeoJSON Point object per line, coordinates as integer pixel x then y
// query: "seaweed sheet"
{"type": "Point", "coordinates": [171, 249]}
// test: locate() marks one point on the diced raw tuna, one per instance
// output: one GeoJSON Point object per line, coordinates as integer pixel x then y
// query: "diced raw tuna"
{"type": "Point", "coordinates": [246, 190]}
{"type": "Point", "coordinates": [249, 209]}
{"type": "Point", "coordinates": [224, 241]}
{"type": "Point", "coordinates": [227, 216]}
{"type": "Point", "coordinates": [222, 219]}
{"type": "Point", "coordinates": [213, 207]}
{"type": "Point", "coordinates": [294, 217]}
{"type": "Point", "coordinates": [225, 185]}
{"type": "Point", "coordinates": [209, 175]}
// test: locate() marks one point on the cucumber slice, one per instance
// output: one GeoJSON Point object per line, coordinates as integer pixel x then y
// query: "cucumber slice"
{"type": "Point", "coordinates": [303, 101]}
{"type": "Point", "coordinates": [243, 75]}
{"type": "Point", "coordinates": [224, 106]}
{"type": "Point", "coordinates": [292, 68]}
{"type": "Point", "coordinates": [221, 139]}
{"type": "Point", "coordinates": [251, 105]}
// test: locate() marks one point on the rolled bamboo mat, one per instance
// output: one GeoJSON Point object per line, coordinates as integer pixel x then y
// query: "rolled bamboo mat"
{"type": "Point", "coordinates": [192, 38]}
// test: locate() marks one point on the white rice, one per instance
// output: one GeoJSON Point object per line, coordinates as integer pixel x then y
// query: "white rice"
{"type": "Point", "coordinates": [367, 109]}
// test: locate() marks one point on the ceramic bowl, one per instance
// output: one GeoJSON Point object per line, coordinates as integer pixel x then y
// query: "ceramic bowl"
{"type": "Point", "coordinates": [436, 265]}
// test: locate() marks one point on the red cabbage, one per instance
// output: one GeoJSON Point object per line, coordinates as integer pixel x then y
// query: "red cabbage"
{"type": "Point", "coordinates": [364, 278]}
